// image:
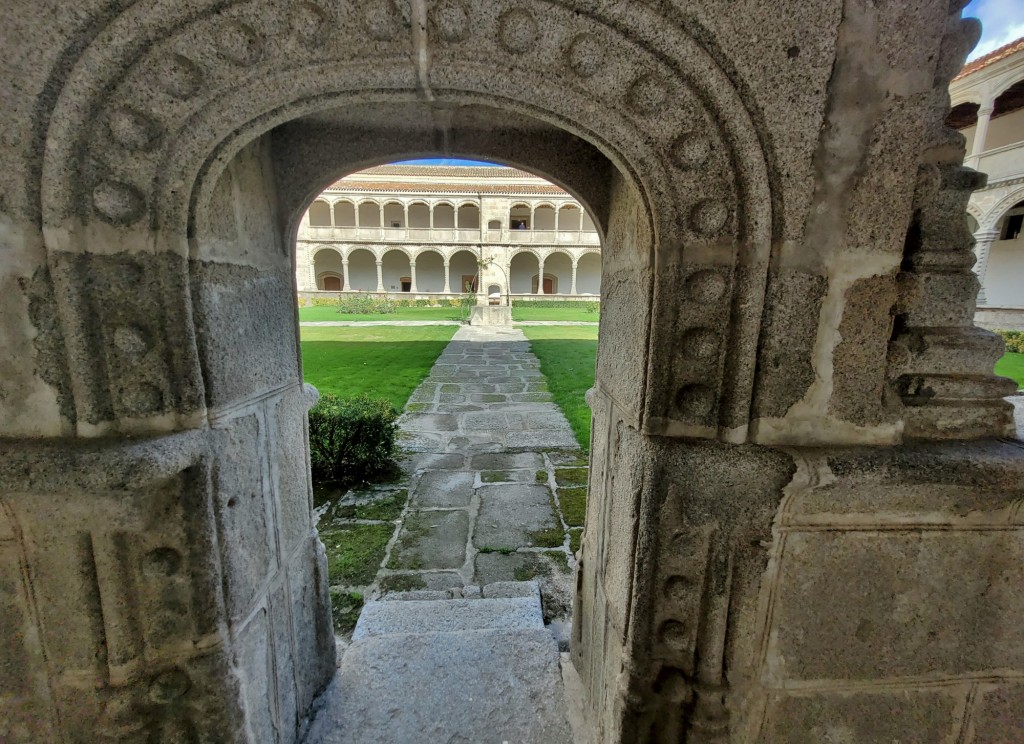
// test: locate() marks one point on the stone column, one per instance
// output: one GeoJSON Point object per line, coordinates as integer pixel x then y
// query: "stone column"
{"type": "Point", "coordinates": [575, 265]}
{"type": "Point", "coordinates": [412, 276]}
{"type": "Point", "coordinates": [540, 276]}
{"type": "Point", "coordinates": [344, 272]}
{"type": "Point", "coordinates": [982, 247]}
{"type": "Point", "coordinates": [380, 275]}
{"type": "Point", "coordinates": [447, 285]}
{"type": "Point", "coordinates": [980, 134]}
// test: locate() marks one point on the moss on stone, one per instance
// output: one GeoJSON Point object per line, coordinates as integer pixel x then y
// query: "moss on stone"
{"type": "Point", "coordinates": [402, 583]}
{"type": "Point", "coordinates": [386, 510]}
{"type": "Point", "coordinates": [572, 476]}
{"type": "Point", "coordinates": [345, 609]}
{"type": "Point", "coordinates": [574, 505]}
{"type": "Point", "coordinates": [575, 538]}
{"type": "Point", "coordinates": [542, 476]}
{"type": "Point", "coordinates": [496, 476]}
{"type": "Point", "coordinates": [354, 552]}
{"type": "Point", "coordinates": [550, 537]}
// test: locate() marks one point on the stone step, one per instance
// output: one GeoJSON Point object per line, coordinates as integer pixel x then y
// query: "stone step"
{"type": "Point", "coordinates": [390, 617]}
{"type": "Point", "coordinates": [499, 685]}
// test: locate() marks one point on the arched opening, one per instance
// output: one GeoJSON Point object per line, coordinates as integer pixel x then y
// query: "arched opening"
{"type": "Point", "coordinates": [362, 270]}
{"type": "Point", "coordinates": [469, 217]}
{"type": "Point", "coordinates": [444, 216]}
{"type": "Point", "coordinates": [494, 295]}
{"type": "Point", "coordinates": [544, 218]}
{"type": "Point", "coordinates": [522, 269]}
{"type": "Point", "coordinates": [319, 214]}
{"type": "Point", "coordinates": [1004, 273]}
{"type": "Point", "coordinates": [394, 214]}
{"type": "Point", "coordinates": [550, 284]}
{"type": "Point", "coordinates": [972, 224]}
{"type": "Point", "coordinates": [588, 274]}
{"type": "Point", "coordinates": [519, 217]}
{"type": "Point", "coordinates": [419, 215]}
{"type": "Point", "coordinates": [369, 214]}
{"type": "Point", "coordinates": [429, 271]}
{"type": "Point", "coordinates": [396, 271]}
{"type": "Point", "coordinates": [1007, 124]}
{"type": "Point", "coordinates": [494, 225]}
{"type": "Point", "coordinates": [588, 222]}
{"type": "Point", "coordinates": [569, 218]}
{"type": "Point", "coordinates": [464, 270]}
{"type": "Point", "coordinates": [558, 269]}
{"type": "Point", "coordinates": [344, 214]}
{"type": "Point", "coordinates": [327, 267]}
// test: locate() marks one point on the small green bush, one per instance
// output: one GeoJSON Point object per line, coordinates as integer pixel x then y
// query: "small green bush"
{"type": "Point", "coordinates": [1014, 341]}
{"type": "Point", "coordinates": [325, 301]}
{"type": "Point", "coordinates": [351, 439]}
{"type": "Point", "coordinates": [366, 305]}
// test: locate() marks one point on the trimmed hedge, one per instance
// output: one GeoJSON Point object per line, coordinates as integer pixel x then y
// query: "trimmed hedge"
{"type": "Point", "coordinates": [589, 306]}
{"type": "Point", "coordinates": [1014, 340]}
{"type": "Point", "coordinates": [351, 439]}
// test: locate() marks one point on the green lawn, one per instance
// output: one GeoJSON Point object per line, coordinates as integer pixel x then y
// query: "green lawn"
{"type": "Point", "coordinates": [384, 361]}
{"type": "Point", "coordinates": [569, 312]}
{"type": "Point", "coordinates": [567, 355]}
{"type": "Point", "coordinates": [327, 312]}
{"type": "Point", "coordinates": [1012, 366]}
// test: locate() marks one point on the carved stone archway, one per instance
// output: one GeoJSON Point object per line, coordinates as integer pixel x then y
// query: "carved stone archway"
{"type": "Point", "coordinates": [781, 265]}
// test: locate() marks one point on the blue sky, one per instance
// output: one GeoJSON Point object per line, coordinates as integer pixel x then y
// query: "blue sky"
{"type": "Point", "coordinates": [444, 161]}
{"type": "Point", "coordinates": [1002, 21]}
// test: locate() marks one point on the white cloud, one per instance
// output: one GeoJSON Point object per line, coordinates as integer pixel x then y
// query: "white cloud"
{"type": "Point", "coordinates": [1002, 21]}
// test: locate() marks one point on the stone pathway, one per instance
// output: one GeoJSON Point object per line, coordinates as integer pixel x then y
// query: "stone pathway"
{"type": "Point", "coordinates": [466, 566]}
{"type": "Point", "coordinates": [495, 489]}
{"type": "Point", "coordinates": [439, 322]}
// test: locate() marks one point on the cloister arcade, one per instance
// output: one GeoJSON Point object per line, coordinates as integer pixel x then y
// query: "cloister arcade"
{"type": "Point", "coordinates": [408, 241]}
{"type": "Point", "coordinates": [988, 110]}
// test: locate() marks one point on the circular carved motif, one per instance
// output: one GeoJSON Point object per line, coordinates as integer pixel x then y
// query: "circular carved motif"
{"type": "Point", "coordinates": [240, 44]}
{"type": "Point", "coordinates": [695, 401]}
{"type": "Point", "coordinates": [179, 76]}
{"type": "Point", "coordinates": [132, 130]}
{"type": "Point", "coordinates": [169, 686]}
{"type": "Point", "coordinates": [647, 94]}
{"type": "Point", "coordinates": [585, 55]}
{"type": "Point", "coordinates": [450, 19]}
{"type": "Point", "coordinates": [117, 203]}
{"type": "Point", "coordinates": [517, 30]}
{"type": "Point", "coordinates": [673, 634]}
{"type": "Point", "coordinates": [709, 217]}
{"type": "Point", "coordinates": [700, 343]}
{"type": "Point", "coordinates": [383, 20]}
{"type": "Point", "coordinates": [162, 562]}
{"type": "Point", "coordinates": [309, 22]}
{"type": "Point", "coordinates": [678, 588]}
{"type": "Point", "coordinates": [704, 286]}
{"type": "Point", "coordinates": [130, 341]}
{"type": "Point", "coordinates": [691, 151]}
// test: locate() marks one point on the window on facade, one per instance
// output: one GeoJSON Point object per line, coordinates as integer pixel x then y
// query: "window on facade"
{"type": "Point", "coordinates": [494, 225]}
{"type": "Point", "coordinates": [394, 214]}
{"type": "Point", "coordinates": [444, 216]}
{"type": "Point", "coordinates": [369, 214]}
{"type": "Point", "coordinates": [544, 217]}
{"type": "Point", "coordinates": [469, 217]}
{"type": "Point", "coordinates": [319, 214]}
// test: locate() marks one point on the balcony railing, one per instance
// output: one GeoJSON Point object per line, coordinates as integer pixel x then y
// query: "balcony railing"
{"type": "Point", "coordinates": [1002, 162]}
{"type": "Point", "coordinates": [448, 235]}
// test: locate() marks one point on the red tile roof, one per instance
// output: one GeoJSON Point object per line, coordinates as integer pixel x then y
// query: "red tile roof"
{"type": "Point", "coordinates": [991, 58]}
{"type": "Point", "coordinates": [448, 188]}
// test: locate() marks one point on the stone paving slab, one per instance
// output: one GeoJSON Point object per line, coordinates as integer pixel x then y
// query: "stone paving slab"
{"type": "Point", "coordinates": [432, 540]}
{"type": "Point", "coordinates": [441, 488]}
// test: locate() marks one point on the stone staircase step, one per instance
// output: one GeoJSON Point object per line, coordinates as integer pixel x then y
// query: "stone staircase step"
{"type": "Point", "coordinates": [448, 616]}
{"type": "Point", "coordinates": [497, 686]}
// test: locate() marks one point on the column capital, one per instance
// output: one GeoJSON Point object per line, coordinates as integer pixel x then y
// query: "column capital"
{"type": "Point", "coordinates": [986, 235]}
{"type": "Point", "coordinates": [986, 110]}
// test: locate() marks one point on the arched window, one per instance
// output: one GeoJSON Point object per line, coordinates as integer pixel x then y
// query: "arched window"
{"type": "Point", "coordinates": [344, 214]}
{"type": "Point", "coordinates": [369, 214]}
{"type": "Point", "coordinates": [394, 215]}
{"type": "Point", "coordinates": [419, 215]}
{"type": "Point", "coordinates": [319, 214]}
{"type": "Point", "coordinates": [544, 217]}
{"type": "Point", "coordinates": [569, 218]}
{"type": "Point", "coordinates": [444, 216]}
{"type": "Point", "coordinates": [494, 224]}
{"type": "Point", "coordinates": [469, 217]}
{"type": "Point", "coordinates": [519, 217]}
